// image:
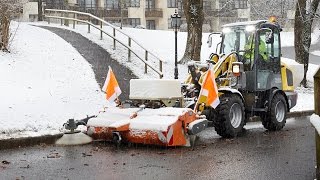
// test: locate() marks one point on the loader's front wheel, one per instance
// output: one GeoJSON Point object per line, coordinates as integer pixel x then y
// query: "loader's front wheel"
{"type": "Point", "coordinates": [231, 117]}
{"type": "Point", "coordinates": [275, 118]}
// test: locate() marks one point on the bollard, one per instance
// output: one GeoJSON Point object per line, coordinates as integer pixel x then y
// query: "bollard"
{"type": "Point", "coordinates": [114, 39]}
{"type": "Point", "coordinates": [145, 65]}
{"type": "Point", "coordinates": [316, 79]}
{"type": "Point", "coordinates": [66, 21]}
{"type": "Point", "coordinates": [61, 18]}
{"type": "Point", "coordinates": [160, 68]}
{"type": "Point", "coordinates": [101, 30]}
{"type": "Point", "coordinates": [129, 51]}
{"type": "Point", "coordinates": [74, 22]}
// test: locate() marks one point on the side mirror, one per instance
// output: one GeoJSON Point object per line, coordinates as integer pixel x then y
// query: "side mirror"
{"type": "Point", "coordinates": [209, 41]}
{"type": "Point", "coordinates": [269, 37]}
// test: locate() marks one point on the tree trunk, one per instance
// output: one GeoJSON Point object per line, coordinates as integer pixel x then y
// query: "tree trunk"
{"type": "Point", "coordinates": [40, 13]}
{"type": "Point", "coordinates": [299, 34]}
{"type": "Point", "coordinates": [4, 41]}
{"type": "Point", "coordinates": [193, 10]}
{"type": "Point", "coordinates": [302, 34]}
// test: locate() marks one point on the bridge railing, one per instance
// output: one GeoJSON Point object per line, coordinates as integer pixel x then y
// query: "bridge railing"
{"type": "Point", "coordinates": [75, 16]}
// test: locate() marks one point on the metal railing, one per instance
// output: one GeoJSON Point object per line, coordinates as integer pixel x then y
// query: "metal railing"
{"type": "Point", "coordinates": [65, 15]}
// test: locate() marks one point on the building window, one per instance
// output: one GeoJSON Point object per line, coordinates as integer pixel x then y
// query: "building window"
{"type": "Point", "coordinates": [112, 4]}
{"type": "Point", "coordinates": [180, 7]}
{"type": "Point", "coordinates": [206, 5]}
{"type": "Point", "coordinates": [240, 4]}
{"type": "Point", "coordinates": [151, 24]}
{"type": "Point", "coordinates": [54, 4]}
{"type": "Point", "coordinates": [173, 3]}
{"type": "Point", "coordinates": [133, 3]}
{"type": "Point", "coordinates": [150, 4]}
{"type": "Point", "coordinates": [226, 4]}
{"type": "Point", "coordinates": [134, 22]}
{"type": "Point", "coordinates": [89, 4]}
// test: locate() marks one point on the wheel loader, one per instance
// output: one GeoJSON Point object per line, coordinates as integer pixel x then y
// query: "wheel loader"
{"type": "Point", "coordinates": [250, 77]}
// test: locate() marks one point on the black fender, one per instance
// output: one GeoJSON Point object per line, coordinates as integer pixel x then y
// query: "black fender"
{"type": "Point", "coordinates": [275, 91]}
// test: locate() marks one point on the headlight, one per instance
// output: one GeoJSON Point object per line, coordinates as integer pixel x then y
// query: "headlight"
{"type": "Point", "coordinates": [250, 28]}
{"type": "Point", "coordinates": [236, 69]}
{"type": "Point", "coordinates": [226, 30]}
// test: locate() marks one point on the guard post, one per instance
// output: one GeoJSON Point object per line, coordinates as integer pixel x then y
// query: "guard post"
{"type": "Point", "coordinates": [316, 79]}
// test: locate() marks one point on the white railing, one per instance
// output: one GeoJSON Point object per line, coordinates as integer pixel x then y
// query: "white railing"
{"type": "Point", "coordinates": [65, 15]}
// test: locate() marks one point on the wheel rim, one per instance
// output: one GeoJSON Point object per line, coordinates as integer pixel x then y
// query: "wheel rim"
{"type": "Point", "coordinates": [235, 115]}
{"type": "Point", "coordinates": [280, 111]}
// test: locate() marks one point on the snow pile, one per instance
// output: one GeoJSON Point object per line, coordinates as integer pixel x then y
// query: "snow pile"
{"type": "Point", "coordinates": [305, 95]}
{"type": "Point", "coordinates": [315, 121]}
{"type": "Point", "coordinates": [44, 81]}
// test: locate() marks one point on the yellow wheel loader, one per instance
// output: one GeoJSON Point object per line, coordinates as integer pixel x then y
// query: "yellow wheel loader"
{"type": "Point", "coordinates": [250, 77]}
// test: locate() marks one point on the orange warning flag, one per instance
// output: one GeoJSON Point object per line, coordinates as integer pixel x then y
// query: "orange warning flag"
{"type": "Point", "coordinates": [210, 90]}
{"type": "Point", "coordinates": [111, 86]}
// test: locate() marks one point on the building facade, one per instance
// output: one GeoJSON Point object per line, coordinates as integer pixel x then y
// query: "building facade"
{"type": "Point", "coordinates": [30, 11]}
{"type": "Point", "coordinates": [155, 14]}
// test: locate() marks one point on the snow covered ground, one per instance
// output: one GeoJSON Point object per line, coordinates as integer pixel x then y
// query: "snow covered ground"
{"type": "Point", "coordinates": [45, 81]}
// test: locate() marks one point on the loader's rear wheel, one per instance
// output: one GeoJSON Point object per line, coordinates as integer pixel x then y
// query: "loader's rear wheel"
{"type": "Point", "coordinates": [230, 118]}
{"type": "Point", "coordinates": [275, 118]}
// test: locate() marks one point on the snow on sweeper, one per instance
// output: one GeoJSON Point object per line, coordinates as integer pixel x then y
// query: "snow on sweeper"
{"type": "Point", "coordinates": [251, 78]}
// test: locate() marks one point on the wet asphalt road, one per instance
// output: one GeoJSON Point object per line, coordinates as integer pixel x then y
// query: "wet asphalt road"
{"type": "Point", "coordinates": [99, 59]}
{"type": "Point", "coordinates": [258, 154]}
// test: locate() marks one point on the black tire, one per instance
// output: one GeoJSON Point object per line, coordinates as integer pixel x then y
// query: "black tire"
{"type": "Point", "coordinates": [230, 117]}
{"type": "Point", "coordinates": [210, 114]}
{"type": "Point", "coordinates": [275, 118]}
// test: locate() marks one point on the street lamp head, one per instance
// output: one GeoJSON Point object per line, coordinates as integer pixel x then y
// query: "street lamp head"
{"type": "Point", "coordinates": [175, 20]}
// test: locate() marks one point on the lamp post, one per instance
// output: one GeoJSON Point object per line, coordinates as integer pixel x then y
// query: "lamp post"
{"type": "Point", "coordinates": [175, 24]}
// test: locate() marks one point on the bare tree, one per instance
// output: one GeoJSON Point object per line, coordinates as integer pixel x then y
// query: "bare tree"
{"type": "Point", "coordinates": [193, 11]}
{"type": "Point", "coordinates": [302, 32]}
{"type": "Point", "coordinates": [9, 9]}
{"type": "Point", "coordinates": [276, 8]}
{"type": "Point", "coordinates": [40, 13]}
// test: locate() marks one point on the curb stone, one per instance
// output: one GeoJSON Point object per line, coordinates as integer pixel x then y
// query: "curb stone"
{"type": "Point", "coordinates": [28, 141]}
{"type": "Point", "coordinates": [300, 113]}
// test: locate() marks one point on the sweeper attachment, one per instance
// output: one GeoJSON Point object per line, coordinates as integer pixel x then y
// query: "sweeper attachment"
{"type": "Point", "coordinates": [73, 136]}
{"type": "Point", "coordinates": [153, 117]}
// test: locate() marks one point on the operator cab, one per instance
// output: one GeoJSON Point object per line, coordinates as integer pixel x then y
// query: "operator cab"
{"type": "Point", "coordinates": [257, 44]}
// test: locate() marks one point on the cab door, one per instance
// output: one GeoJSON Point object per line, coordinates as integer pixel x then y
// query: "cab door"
{"type": "Point", "coordinates": [268, 59]}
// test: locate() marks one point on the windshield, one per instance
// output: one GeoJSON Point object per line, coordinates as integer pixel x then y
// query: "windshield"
{"type": "Point", "coordinates": [236, 39]}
